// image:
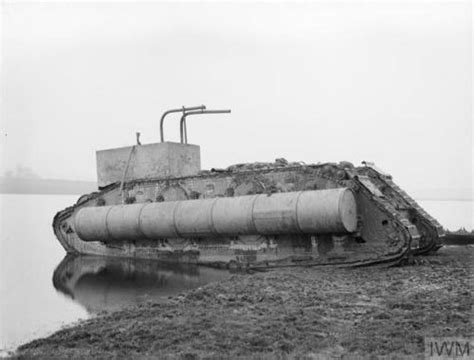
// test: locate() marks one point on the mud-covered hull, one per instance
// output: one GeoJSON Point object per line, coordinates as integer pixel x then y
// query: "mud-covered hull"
{"type": "Point", "coordinates": [391, 226]}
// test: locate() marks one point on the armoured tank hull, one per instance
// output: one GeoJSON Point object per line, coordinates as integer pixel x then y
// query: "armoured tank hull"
{"type": "Point", "coordinates": [155, 202]}
{"type": "Point", "coordinates": [284, 215]}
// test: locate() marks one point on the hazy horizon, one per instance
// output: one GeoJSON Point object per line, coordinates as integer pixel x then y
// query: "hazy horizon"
{"type": "Point", "coordinates": [386, 82]}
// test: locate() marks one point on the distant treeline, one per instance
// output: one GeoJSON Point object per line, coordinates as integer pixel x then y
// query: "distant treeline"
{"type": "Point", "coordinates": [14, 185]}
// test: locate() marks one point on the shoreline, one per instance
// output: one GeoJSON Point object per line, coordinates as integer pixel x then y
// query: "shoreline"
{"type": "Point", "coordinates": [298, 312]}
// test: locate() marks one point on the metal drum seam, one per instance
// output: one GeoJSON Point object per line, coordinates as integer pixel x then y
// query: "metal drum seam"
{"type": "Point", "coordinates": [139, 221]}
{"type": "Point", "coordinates": [297, 222]}
{"type": "Point", "coordinates": [211, 217]}
{"type": "Point", "coordinates": [107, 224]}
{"type": "Point", "coordinates": [252, 220]}
{"type": "Point", "coordinates": [175, 209]}
{"type": "Point", "coordinates": [339, 218]}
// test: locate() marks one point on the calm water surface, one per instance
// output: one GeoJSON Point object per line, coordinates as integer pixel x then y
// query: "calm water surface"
{"type": "Point", "coordinates": [41, 290]}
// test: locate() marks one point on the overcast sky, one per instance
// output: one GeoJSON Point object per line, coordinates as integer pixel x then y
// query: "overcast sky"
{"type": "Point", "coordinates": [389, 82]}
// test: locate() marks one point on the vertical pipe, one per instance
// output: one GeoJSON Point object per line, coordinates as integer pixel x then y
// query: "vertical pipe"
{"type": "Point", "coordinates": [183, 110]}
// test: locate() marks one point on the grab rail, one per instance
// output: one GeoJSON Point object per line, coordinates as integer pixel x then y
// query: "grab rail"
{"type": "Point", "coordinates": [183, 110]}
{"type": "Point", "coordinates": [182, 124]}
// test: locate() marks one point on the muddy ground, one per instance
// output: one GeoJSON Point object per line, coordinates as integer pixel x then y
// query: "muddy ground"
{"type": "Point", "coordinates": [288, 313]}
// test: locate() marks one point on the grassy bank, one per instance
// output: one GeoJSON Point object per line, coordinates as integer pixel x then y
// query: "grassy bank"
{"type": "Point", "coordinates": [298, 312]}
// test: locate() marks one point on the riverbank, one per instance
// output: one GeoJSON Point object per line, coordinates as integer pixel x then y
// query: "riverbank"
{"type": "Point", "coordinates": [297, 312]}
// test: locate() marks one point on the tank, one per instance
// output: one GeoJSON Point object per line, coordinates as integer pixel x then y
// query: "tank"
{"type": "Point", "coordinates": [155, 202]}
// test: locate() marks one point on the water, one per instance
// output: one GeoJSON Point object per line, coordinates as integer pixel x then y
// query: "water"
{"type": "Point", "coordinates": [41, 290]}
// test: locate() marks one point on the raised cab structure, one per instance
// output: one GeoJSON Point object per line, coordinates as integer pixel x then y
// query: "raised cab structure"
{"type": "Point", "coordinates": [155, 202]}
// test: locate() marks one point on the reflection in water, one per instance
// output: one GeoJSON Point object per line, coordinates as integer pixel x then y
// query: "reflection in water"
{"type": "Point", "coordinates": [108, 284]}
